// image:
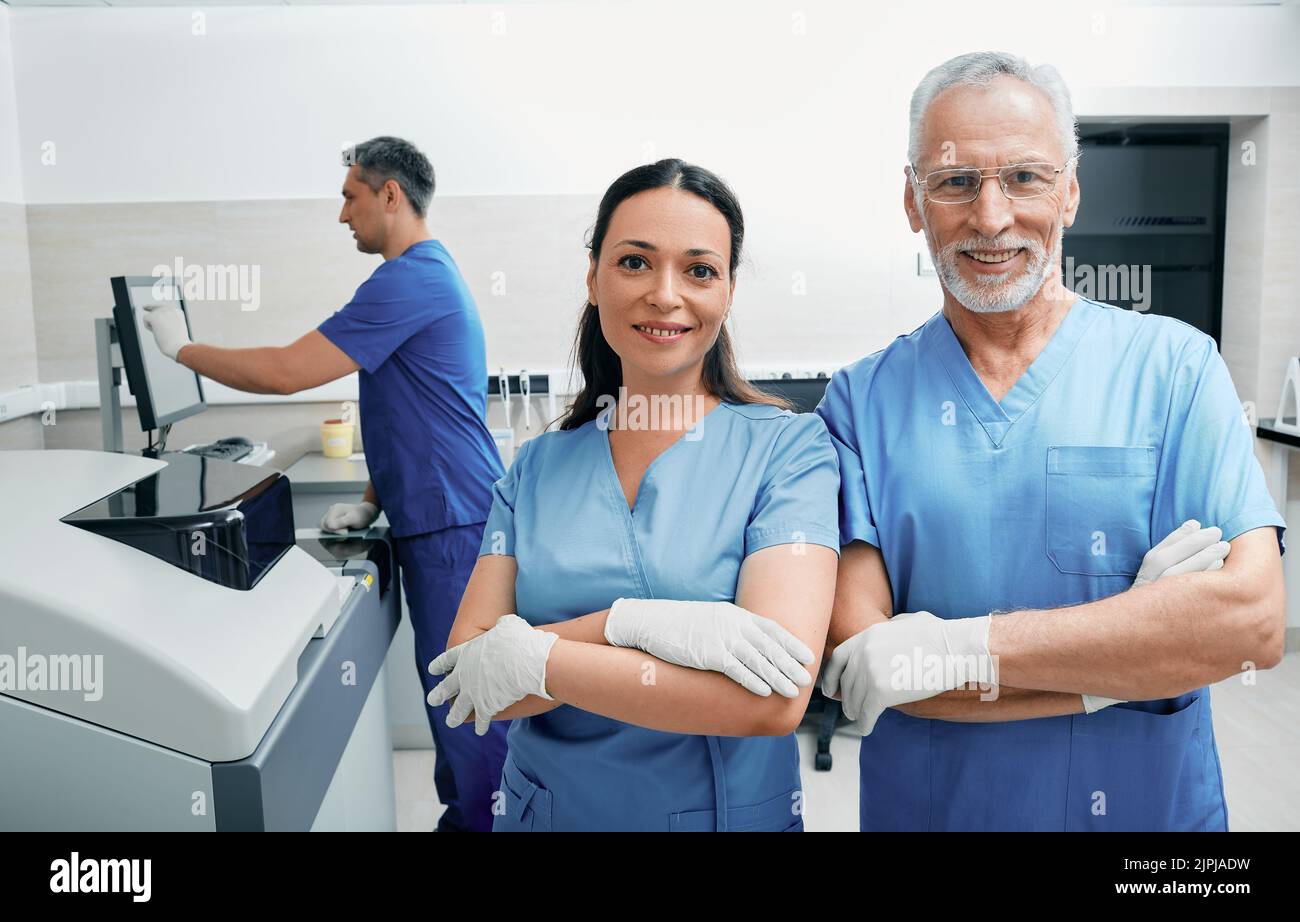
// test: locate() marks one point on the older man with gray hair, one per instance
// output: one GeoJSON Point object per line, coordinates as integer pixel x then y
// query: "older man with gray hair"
{"type": "Point", "coordinates": [1004, 470]}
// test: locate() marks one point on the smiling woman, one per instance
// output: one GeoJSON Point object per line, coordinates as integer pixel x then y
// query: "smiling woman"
{"type": "Point", "coordinates": [661, 303]}
{"type": "Point", "coordinates": [652, 594]}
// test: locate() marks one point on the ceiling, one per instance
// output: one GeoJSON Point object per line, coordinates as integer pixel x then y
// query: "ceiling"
{"type": "Point", "coordinates": [203, 4]}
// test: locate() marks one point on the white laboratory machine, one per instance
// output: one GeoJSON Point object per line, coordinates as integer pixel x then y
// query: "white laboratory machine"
{"type": "Point", "coordinates": [171, 658]}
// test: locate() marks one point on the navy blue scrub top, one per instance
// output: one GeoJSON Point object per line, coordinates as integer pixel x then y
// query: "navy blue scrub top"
{"type": "Point", "coordinates": [414, 330]}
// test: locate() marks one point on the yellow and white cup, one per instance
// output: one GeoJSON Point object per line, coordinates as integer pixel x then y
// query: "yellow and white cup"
{"type": "Point", "coordinates": [336, 438]}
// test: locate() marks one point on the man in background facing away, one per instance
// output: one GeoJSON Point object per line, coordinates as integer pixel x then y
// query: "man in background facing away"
{"type": "Point", "coordinates": [413, 333]}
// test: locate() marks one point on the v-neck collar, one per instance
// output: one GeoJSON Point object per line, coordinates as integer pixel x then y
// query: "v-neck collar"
{"type": "Point", "coordinates": [998, 418]}
{"type": "Point", "coordinates": [602, 432]}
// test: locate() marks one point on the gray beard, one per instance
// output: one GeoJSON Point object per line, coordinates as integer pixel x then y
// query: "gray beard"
{"type": "Point", "coordinates": [997, 297]}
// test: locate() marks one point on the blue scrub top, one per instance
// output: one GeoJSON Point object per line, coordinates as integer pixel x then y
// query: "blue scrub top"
{"type": "Point", "coordinates": [414, 330]}
{"type": "Point", "coordinates": [1125, 426]}
{"type": "Point", "coordinates": [749, 476]}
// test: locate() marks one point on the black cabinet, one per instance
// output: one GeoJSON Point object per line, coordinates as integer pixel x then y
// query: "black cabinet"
{"type": "Point", "coordinates": [1149, 232]}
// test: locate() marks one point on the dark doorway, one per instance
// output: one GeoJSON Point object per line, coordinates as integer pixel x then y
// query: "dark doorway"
{"type": "Point", "coordinates": [1149, 233]}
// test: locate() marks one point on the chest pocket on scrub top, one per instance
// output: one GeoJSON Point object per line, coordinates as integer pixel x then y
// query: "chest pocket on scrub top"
{"type": "Point", "coordinates": [1099, 502]}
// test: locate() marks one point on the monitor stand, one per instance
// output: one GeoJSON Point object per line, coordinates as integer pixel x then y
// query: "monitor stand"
{"type": "Point", "coordinates": [109, 358]}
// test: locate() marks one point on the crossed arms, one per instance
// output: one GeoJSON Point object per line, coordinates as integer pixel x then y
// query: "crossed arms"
{"type": "Point", "coordinates": [1156, 641]}
{"type": "Point", "coordinates": [794, 589]}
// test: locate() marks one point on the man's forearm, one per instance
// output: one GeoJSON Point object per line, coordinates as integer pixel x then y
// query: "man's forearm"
{"type": "Point", "coordinates": [968, 705]}
{"type": "Point", "coordinates": [253, 370]}
{"type": "Point", "coordinates": [961, 705]}
{"type": "Point", "coordinates": [1158, 641]}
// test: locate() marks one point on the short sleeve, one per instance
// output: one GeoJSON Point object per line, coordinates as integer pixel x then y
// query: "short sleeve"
{"type": "Point", "coordinates": [1208, 470]}
{"type": "Point", "coordinates": [796, 501]}
{"type": "Point", "coordinates": [499, 532]}
{"type": "Point", "coordinates": [388, 309]}
{"type": "Point", "coordinates": [836, 410]}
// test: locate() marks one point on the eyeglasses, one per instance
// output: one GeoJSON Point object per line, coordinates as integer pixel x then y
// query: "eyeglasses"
{"type": "Point", "coordinates": [1019, 180]}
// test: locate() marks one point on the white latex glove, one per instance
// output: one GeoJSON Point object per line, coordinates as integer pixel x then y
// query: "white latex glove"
{"type": "Point", "coordinates": [1094, 703]}
{"type": "Point", "coordinates": [1189, 548]}
{"type": "Point", "coordinates": [341, 517]}
{"type": "Point", "coordinates": [753, 651]}
{"type": "Point", "coordinates": [878, 668]}
{"type": "Point", "coordinates": [491, 672]}
{"type": "Point", "coordinates": [167, 323]}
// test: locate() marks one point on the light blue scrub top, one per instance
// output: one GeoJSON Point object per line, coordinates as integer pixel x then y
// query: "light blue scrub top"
{"type": "Point", "coordinates": [1125, 426]}
{"type": "Point", "coordinates": [755, 477]}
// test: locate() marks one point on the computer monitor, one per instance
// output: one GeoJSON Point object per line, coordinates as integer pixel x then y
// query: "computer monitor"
{"type": "Point", "coordinates": [164, 390]}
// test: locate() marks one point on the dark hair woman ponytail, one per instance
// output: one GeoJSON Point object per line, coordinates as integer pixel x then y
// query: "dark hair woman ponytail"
{"type": "Point", "coordinates": [602, 370]}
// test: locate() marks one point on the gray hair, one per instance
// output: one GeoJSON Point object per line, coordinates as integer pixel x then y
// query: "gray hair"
{"type": "Point", "coordinates": [384, 158]}
{"type": "Point", "coordinates": [978, 69]}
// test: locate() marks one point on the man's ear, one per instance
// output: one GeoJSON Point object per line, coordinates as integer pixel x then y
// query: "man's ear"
{"type": "Point", "coordinates": [909, 202]}
{"type": "Point", "coordinates": [1071, 197]}
{"type": "Point", "coordinates": [392, 193]}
